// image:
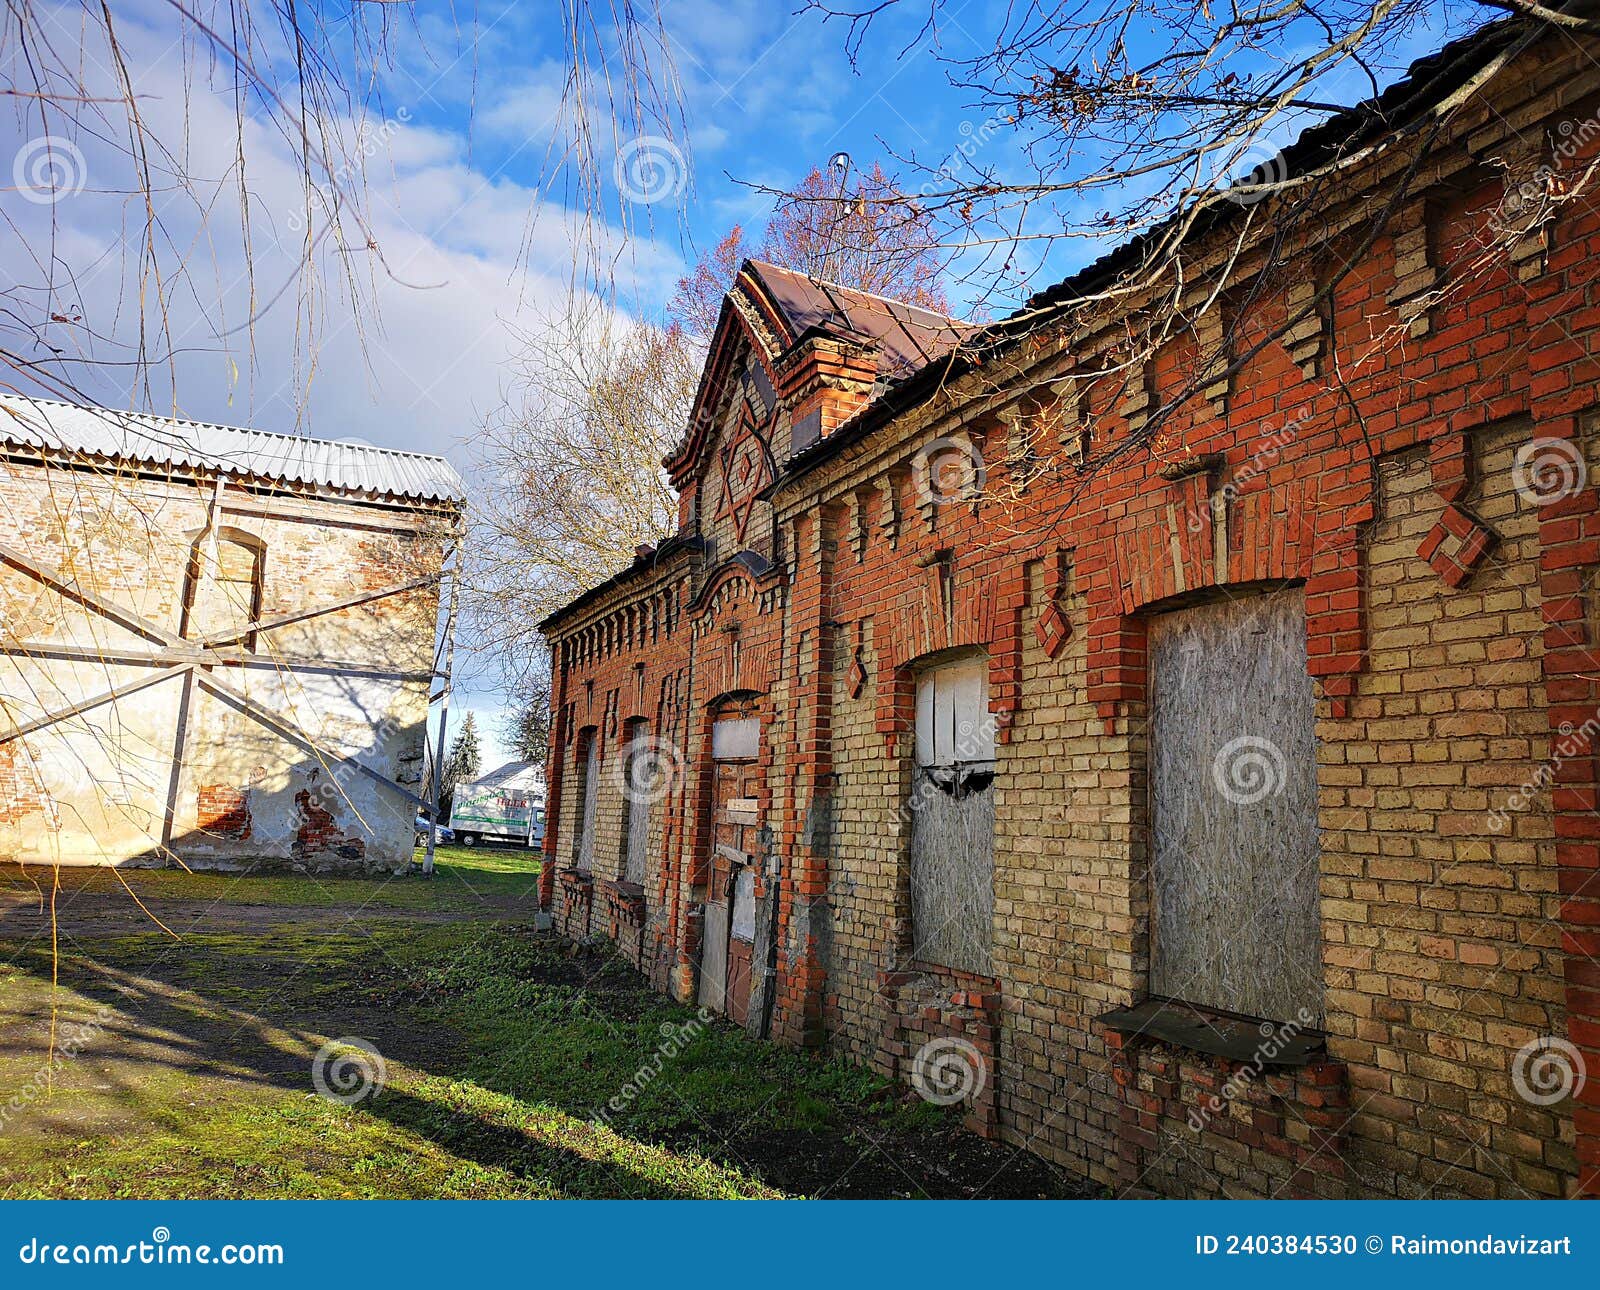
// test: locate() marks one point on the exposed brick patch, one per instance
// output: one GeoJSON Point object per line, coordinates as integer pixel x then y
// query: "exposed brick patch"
{"type": "Point", "coordinates": [318, 833]}
{"type": "Point", "coordinates": [223, 812]}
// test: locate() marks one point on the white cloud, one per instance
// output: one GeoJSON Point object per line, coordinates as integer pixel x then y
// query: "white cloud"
{"type": "Point", "coordinates": [449, 258]}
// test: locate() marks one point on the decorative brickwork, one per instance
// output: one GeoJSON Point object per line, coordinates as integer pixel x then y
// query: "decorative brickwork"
{"type": "Point", "coordinates": [1385, 446]}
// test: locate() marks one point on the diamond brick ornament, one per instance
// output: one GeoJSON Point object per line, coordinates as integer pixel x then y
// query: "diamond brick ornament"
{"type": "Point", "coordinates": [1052, 629]}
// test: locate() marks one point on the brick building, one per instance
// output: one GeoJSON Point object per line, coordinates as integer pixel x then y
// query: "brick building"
{"type": "Point", "coordinates": [1215, 816]}
{"type": "Point", "coordinates": [217, 645]}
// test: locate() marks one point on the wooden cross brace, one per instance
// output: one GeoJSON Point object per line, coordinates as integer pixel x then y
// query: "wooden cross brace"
{"type": "Point", "coordinates": [176, 656]}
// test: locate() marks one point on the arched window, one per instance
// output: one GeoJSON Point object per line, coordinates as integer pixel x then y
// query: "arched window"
{"type": "Point", "coordinates": [223, 584]}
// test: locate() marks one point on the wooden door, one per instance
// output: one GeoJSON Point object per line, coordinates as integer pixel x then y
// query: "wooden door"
{"type": "Point", "coordinates": [741, 943]}
{"type": "Point", "coordinates": [735, 748]}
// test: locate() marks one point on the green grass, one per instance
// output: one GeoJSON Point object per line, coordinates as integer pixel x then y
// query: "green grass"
{"type": "Point", "coordinates": [463, 878]}
{"type": "Point", "coordinates": [515, 1067]}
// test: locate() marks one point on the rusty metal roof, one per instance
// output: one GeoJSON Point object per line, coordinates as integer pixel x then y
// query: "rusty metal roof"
{"type": "Point", "coordinates": [137, 438]}
{"type": "Point", "coordinates": [905, 337]}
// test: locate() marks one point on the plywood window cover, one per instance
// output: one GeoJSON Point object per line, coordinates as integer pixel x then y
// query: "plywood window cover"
{"type": "Point", "coordinates": [588, 788]}
{"type": "Point", "coordinates": [736, 738]}
{"type": "Point", "coordinates": [952, 818]}
{"type": "Point", "coordinates": [1231, 700]}
{"type": "Point", "coordinates": [636, 807]}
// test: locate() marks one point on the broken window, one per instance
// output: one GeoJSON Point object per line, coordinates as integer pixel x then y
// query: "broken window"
{"type": "Point", "coordinates": [223, 585]}
{"type": "Point", "coordinates": [1233, 808]}
{"type": "Point", "coordinates": [588, 789]}
{"type": "Point", "coordinates": [952, 817]}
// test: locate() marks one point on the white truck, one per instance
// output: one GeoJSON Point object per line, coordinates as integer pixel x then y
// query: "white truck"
{"type": "Point", "coordinates": [506, 805]}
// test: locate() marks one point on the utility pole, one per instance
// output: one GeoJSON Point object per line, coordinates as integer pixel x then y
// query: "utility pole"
{"type": "Point", "coordinates": [444, 713]}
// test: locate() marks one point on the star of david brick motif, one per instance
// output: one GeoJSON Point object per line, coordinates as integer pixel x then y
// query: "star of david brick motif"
{"type": "Point", "coordinates": [744, 475]}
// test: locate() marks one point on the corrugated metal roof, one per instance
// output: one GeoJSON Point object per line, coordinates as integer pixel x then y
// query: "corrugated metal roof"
{"type": "Point", "coordinates": [137, 438]}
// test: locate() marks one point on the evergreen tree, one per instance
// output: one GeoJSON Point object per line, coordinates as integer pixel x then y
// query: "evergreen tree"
{"type": "Point", "coordinates": [463, 763]}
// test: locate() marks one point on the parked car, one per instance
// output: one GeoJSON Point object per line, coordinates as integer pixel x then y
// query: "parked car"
{"type": "Point", "coordinates": [442, 833]}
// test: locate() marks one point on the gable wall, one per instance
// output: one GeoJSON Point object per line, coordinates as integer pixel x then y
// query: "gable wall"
{"type": "Point", "coordinates": [94, 789]}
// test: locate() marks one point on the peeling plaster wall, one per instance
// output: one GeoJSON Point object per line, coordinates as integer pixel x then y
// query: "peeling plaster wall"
{"type": "Point", "coordinates": [93, 789]}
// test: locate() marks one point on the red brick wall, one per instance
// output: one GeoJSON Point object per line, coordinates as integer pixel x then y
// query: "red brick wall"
{"type": "Point", "coordinates": [1373, 456]}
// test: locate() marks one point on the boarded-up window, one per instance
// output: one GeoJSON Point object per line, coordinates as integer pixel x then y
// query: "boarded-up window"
{"type": "Point", "coordinates": [639, 790]}
{"type": "Point", "coordinates": [736, 738]}
{"type": "Point", "coordinates": [588, 789]}
{"type": "Point", "coordinates": [952, 818]}
{"type": "Point", "coordinates": [1234, 808]}
{"type": "Point", "coordinates": [223, 587]}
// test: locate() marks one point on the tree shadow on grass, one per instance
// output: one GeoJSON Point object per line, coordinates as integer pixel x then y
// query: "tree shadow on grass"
{"type": "Point", "coordinates": [128, 1035]}
{"type": "Point", "coordinates": [563, 1070]}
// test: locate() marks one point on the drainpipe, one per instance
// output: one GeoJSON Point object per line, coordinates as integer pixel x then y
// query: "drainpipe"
{"type": "Point", "coordinates": [769, 971]}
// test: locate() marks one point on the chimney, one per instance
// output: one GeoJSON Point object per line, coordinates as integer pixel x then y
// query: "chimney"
{"type": "Point", "coordinates": [824, 381]}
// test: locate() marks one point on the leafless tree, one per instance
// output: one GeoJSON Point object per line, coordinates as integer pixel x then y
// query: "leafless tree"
{"type": "Point", "coordinates": [841, 227]}
{"type": "Point", "coordinates": [1161, 129]}
{"type": "Point", "coordinates": [572, 468]}
{"type": "Point", "coordinates": [226, 144]}
{"type": "Point", "coordinates": [1098, 120]}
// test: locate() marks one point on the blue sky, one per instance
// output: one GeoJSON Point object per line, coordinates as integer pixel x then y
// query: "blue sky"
{"type": "Point", "coordinates": [767, 95]}
{"type": "Point", "coordinates": [475, 224]}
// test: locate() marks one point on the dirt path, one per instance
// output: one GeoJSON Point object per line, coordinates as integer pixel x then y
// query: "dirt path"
{"type": "Point", "coordinates": [94, 903]}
